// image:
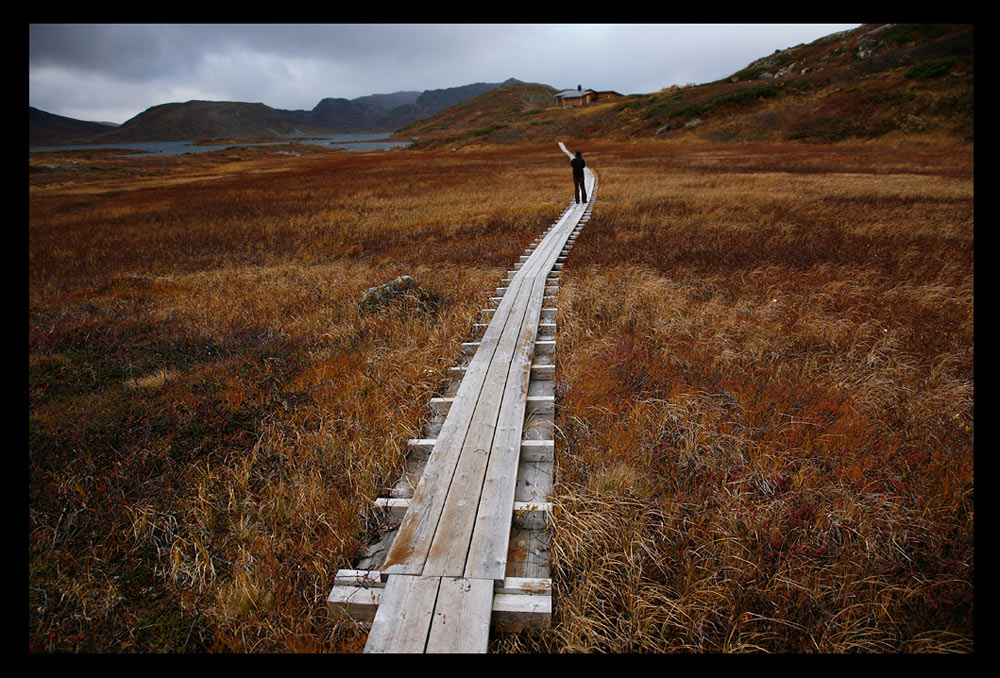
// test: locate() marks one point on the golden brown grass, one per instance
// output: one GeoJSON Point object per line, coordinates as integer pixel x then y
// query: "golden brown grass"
{"type": "Point", "coordinates": [765, 391]}
{"type": "Point", "coordinates": [766, 369]}
{"type": "Point", "coordinates": [211, 410]}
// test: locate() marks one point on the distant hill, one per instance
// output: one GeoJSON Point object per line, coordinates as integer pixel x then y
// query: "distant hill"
{"type": "Point", "coordinates": [387, 102]}
{"type": "Point", "coordinates": [196, 120]}
{"type": "Point", "coordinates": [435, 100]}
{"type": "Point", "coordinates": [337, 115]}
{"type": "Point", "coordinates": [486, 115]}
{"type": "Point", "coordinates": [383, 112]}
{"type": "Point", "coordinates": [874, 81]}
{"type": "Point", "coordinates": [49, 129]}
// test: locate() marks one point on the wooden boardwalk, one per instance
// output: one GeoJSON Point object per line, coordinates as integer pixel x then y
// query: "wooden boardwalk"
{"type": "Point", "coordinates": [444, 580]}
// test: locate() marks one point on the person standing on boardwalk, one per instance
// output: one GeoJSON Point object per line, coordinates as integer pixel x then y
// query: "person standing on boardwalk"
{"type": "Point", "coordinates": [579, 189]}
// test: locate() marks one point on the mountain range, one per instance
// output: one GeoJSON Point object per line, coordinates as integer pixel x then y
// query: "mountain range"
{"type": "Point", "coordinates": [873, 81]}
{"type": "Point", "coordinates": [197, 120]}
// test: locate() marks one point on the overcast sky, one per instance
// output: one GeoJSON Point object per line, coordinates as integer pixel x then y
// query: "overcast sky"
{"type": "Point", "coordinates": [112, 72]}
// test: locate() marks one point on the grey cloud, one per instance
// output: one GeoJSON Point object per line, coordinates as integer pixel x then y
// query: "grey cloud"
{"type": "Point", "coordinates": [125, 52]}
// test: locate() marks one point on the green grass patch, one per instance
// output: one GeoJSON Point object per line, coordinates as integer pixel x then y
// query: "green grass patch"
{"type": "Point", "coordinates": [483, 131]}
{"type": "Point", "coordinates": [741, 97]}
{"type": "Point", "coordinates": [930, 69]}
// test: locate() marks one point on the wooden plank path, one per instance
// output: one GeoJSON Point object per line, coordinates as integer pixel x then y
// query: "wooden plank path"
{"type": "Point", "coordinates": [444, 580]}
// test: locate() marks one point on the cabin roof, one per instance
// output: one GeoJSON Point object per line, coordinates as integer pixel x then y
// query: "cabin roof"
{"type": "Point", "coordinates": [574, 92]}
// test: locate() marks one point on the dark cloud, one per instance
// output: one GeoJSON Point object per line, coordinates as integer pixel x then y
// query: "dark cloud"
{"type": "Point", "coordinates": [134, 52]}
{"type": "Point", "coordinates": [125, 52]}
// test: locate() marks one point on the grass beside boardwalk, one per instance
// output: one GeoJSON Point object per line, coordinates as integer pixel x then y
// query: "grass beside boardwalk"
{"type": "Point", "coordinates": [765, 378]}
{"type": "Point", "coordinates": [766, 404]}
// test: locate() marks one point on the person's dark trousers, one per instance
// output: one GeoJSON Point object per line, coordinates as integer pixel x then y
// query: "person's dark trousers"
{"type": "Point", "coordinates": [579, 189]}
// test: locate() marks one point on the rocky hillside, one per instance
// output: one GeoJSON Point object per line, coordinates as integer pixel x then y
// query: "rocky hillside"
{"type": "Point", "coordinates": [875, 81]}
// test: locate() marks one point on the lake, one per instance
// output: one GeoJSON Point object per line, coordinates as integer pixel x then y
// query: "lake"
{"type": "Point", "coordinates": [351, 142]}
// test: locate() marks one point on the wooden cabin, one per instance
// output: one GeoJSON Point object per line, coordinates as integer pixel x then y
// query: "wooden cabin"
{"type": "Point", "coordinates": [582, 97]}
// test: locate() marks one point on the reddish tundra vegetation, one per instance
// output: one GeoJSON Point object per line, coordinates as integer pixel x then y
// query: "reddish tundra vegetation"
{"type": "Point", "coordinates": [765, 389]}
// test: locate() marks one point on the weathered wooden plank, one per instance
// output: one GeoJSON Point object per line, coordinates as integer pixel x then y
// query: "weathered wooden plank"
{"type": "Point", "coordinates": [421, 447]}
{"type": "Point", "coordinates": [363, 578]}
{"type": "Point", "coordinates": [412, 545]}
{"type": "Point", "coordinates": [545, 347]}
{"type": "Point", "coordinates": [404, 615]}
{"type": "Point", "coordinates": [396, 507]}
{"type": "Point", "coordinates": [536, 450]}
{"type": "Point", "coordinates": [464, 431]}
{"type": "Point", "coordinates": [528, 513]}
{"type": "Point", "coordinates": [538, 372]}
{"type": "Point", "coordinates": [531, 450]}
{"type": "Point", "coordinates": [461, 622]}
{"type": "Point", "coordinates": [510, 365]}
{"type": "Point", "coordinates": [528, 553]}
{"type": "Point", "coordinates": [484, 529]}
{"type": "Point", "coordinates": [514, 612]}
{"type": "Point", "coordinates": [533, 403]}
{"type": "Point", "coordinates": [359, 603]}
{"type": "Point", "coordinates": [537, 586]}
{"type": "Point", "coordinates": [534, 480]}
{"type": "Point", "coordinates": [532, 514]}
{"type": "Point", "coordinates": [541, 586]}
{"type": "Point", "coordinates": [487, 555]}
{"type": "Point", "coordinates": [509, 606]}
{"type": "Point", "coordinates": [488, 549]}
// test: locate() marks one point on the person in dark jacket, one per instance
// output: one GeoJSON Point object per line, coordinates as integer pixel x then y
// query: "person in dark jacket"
{"type": "Point", "coordinates": [579, 189]}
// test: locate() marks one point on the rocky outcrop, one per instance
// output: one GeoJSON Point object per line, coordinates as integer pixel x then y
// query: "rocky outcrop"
{"type": "Point", "coordinates": [402, 292]}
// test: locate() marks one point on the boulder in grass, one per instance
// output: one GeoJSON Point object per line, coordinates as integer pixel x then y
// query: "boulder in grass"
{"type": "Point", "coordinates": [403, 291]}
